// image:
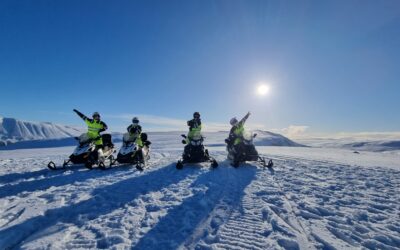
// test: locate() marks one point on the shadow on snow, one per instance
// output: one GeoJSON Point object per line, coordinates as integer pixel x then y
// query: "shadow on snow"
{"type": "Point", "coordinates": [182, 222]}
{"type": "Point", "coordinates": [51, 179]}
{"type": "Point", "coordinates": [104, 200]}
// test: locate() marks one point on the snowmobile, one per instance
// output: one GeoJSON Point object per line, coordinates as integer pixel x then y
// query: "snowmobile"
{"type": "Point", "coordinates": [103, 155]}
{"type": "Point", "coordinates": [195, 152]}
{"type": "Point", "coordinates": [246, 151]}
{"type": "Point", "coordinates": [86, 153]}
{"type": "Point", "coordinates": [131, 154]}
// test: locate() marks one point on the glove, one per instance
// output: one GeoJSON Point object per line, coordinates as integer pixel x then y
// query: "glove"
{"type": "Point", "coordinates": [76, 111]}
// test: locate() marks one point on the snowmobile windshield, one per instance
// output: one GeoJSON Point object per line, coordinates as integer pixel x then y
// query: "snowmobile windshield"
{"type": "Point", "coordinates": [129, 138]}
{"type": "Point", "coordinates": [248, 136]}
{"type": "Point", "coordinates": [197, 137]}
{"type": "Point", "coordinates": [196, 142]}
{"type": "Point", "coordinates": [84, 138]}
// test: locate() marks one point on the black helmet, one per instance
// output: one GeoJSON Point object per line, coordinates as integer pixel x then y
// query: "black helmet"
{"type": "Point", "coordinates": [96, 114]}
{"type": "Point", "coordinates": [196, 115]}
{"type": "Point", "coordinates": [135, 120]}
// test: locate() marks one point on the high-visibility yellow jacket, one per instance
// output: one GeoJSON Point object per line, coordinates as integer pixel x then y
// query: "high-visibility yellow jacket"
{"type": "Point", "coordinates": [94, 128]}
{"type": "Point", "coordinates": [194, 129]}
{"type": "Point", "coordinates": [238, 132]}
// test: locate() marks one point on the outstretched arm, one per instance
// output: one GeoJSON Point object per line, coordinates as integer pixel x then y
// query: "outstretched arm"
{"type": "Point", "coordinates": [244, 118]}
{"type": "Point", "coordinates": [84, 117]}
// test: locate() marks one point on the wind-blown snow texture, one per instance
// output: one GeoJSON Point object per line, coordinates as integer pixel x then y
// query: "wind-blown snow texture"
{"type": "Point", "coordinates": [303, 203]}
{"type": "Point", "coordinates": [13, 130]}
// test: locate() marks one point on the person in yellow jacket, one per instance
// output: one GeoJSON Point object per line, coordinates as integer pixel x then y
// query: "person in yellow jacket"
{"type": "Point", "coordinates": [237, 131]}
{"type": "Point", "coordinates": [194, 128]}
{"type": "Point", "coordinates": [95, 127]}
{"type": "Point", "coordinates": [135, 132]}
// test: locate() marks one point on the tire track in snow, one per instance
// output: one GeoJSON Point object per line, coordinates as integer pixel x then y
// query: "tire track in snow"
{"type": "Point", "coordinates": [332, 205]}
{"type": "Point", "coordinates": [190, 221]}
{"type": "Point", "coordinates": [232, 186]}
{"type": "Point", "coordinates": [124, 226]}
{"type": "Point", "coordinates": [261, 219]}
{"type": "Point", "coordinates": [344, 206]}
{"type": "Point", "coordinates": [104, 199]}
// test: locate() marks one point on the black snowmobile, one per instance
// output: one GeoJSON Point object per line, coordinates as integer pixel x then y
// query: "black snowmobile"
{"type": "Point", "coordinates": [195, 152]}
{"type": "Point", "coordinates": [131, 154]}
{"type": "Point", "coordinates": [86, 153]}
{"type": "Point", "coordinates": [246, 151]}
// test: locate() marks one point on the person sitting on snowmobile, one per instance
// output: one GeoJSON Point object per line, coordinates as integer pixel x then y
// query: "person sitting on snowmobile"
{"type": "Point", "coordinates": [194, 128]}
{"type": "Point", "coordinates": [135, 133]}
{"type": "Point", "coordinates": [134, 129]}
{"type": "Point", "coordinates": [237, 132]}
{"type": "Point", "coordinates": [95, 127]}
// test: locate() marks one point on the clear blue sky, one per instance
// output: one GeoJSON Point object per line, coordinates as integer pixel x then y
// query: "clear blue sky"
{"type": "Point", "coordinates": [332, 65]}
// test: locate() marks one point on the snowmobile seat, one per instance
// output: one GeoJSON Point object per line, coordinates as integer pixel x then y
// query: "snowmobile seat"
{"type": "Point", "coordinates": [144, 138]}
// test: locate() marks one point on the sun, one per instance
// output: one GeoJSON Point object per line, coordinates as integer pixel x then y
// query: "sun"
{"type": "Point", "coordinates": [263, 89]}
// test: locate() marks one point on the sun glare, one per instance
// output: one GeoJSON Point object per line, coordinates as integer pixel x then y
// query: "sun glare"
{"type": "Point", "coordinates": [262, 89]}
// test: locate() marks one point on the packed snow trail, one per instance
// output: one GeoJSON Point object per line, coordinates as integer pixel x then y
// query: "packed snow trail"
{"type": "Point", "coordinates": [301, 204]}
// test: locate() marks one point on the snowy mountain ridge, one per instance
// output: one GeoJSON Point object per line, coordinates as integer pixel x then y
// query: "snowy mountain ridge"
{"type": "Point", "coordinates": [158, 139]}
{"type": "Point", "coordinates": [17, 134]}
{"type": "Point", "coordinates": [14, 130]}
{"type": "Point", "coordinates": [359, 144]}
{"type": "Point", "coordinates": [266, 138]}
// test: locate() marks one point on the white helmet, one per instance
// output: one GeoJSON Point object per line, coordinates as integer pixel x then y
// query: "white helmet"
{"type": "Point", "coordinates": [233, 121]}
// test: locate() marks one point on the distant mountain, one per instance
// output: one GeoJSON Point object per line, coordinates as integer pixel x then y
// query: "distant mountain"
{"type": "Point", "coordinates": [265, 138]}
{"type": "Point", "coordinates": [357, 144]}
{"type": "Point", "coordinates": [374, 146]}
{"type": "Point", "coordinates": [16, 134]}
{"type": "Point", "coordinates": [13, 130]}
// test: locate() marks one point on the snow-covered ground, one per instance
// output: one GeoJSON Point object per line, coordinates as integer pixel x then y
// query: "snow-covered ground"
{"type": "Point", "coordinates": [313, 199]}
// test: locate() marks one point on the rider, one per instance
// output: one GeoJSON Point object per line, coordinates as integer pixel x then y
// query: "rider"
{"type": "Point", "coordinates": [237, 131]}
{"type": "Point", "coordinates": [194, 128]}
{"type": "Point", "coordinates": [135, 131]}
{"type": "Point", "coordinates": [95, 127]}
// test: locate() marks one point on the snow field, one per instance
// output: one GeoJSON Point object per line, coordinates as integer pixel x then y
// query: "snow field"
{"type": "Point", "coordinates": [303, 203]}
